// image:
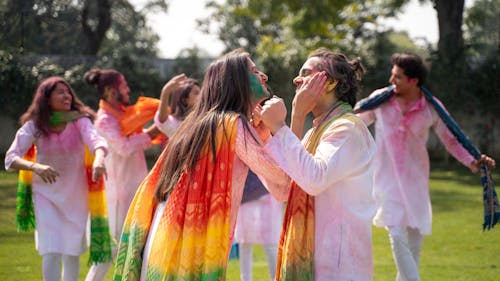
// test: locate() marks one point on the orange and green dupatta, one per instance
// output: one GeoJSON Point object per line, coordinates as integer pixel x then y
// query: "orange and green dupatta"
{"type": "Point", "coordinates": [100, 237]}
{"type": "Point", "coordinates": [296, 247]}
{"type": "Point", "coordinates": [192, 240]}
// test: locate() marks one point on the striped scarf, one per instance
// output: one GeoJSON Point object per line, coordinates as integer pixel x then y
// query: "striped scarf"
{"type": "Point", "coordinates": [100, 238]}
{"type": "Point", "coordinates": [490, 198]}
{"type": "Point", "coordinates": [192, 240]}
{"type": "Point", "coordinates": [296, 247]}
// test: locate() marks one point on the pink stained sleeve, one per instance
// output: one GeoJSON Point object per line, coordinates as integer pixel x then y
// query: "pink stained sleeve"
{"type": "Point", "coordinates": [251, 153]}
{"type": "Point", "coordinates": [109, 128]}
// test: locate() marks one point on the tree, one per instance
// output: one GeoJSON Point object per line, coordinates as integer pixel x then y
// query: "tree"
{"type": "Point", "coordinates": [95, 29]}
{"type": "Point", "coordinates": [482, 34]}
{"type": "Point", "coordinates": [191, 63]}
{"type": "Point", "coordinates": [282, 32]}
{"type": "Point", "coordinates": [103, 26]}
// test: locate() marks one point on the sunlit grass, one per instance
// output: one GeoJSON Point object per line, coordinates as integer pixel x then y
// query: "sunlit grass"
{"type": "Point", "coordinates": [456, 250]}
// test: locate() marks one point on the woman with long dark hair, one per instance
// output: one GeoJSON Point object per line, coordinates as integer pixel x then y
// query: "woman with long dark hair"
{"type": "Point", "coordinates": [181, 221]}
{"type": "Point", "coordinates": [54, 132]}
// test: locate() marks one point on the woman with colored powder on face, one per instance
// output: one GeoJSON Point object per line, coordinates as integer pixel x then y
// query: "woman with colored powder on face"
{"type": "Point", "coordinates": [58, 124]}
{"type": "Point", "coordinates": [180, 224]}
{"type": "Point", "coordinates": [178, 98]}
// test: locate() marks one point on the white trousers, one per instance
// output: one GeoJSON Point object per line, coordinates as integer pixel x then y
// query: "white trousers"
{"type": "Point", "coordinates": [246, 258]}
{"type": "Point", "coordinates": [406, 243]}
{"type": "Point", "coordinates": [51, 267]}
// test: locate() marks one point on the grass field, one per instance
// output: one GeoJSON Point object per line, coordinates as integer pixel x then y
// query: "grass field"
{"type": "Point", "coordinates": [457, 249]}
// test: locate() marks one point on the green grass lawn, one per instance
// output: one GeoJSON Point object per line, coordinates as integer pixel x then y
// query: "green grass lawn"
{"type": "Point", "coordinates": [457, 249]}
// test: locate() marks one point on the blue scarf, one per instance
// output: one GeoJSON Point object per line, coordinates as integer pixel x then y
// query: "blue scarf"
{"type": "Point", "coordinates": [490, 199]}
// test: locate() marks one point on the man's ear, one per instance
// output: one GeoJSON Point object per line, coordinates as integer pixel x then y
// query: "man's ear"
{"type": "Point", "coordinates": [331, 84]}
{"type": "Point", "coordinates": [413, 80]}
{"type": "Point", "coordinates": [108, 91]}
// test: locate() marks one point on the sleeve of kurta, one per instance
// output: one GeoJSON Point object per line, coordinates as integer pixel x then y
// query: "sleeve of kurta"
{"type": "Point", "coordinates": [368, 116]}
{"type": "Point", "coordinates": [168, 127]}
{"type": "Point", "coordinates": [449, 141]}
{"type": "Point", "coordinates": [109, 128]}
{"type": "Point", "coordinates": [24, 139]}
{"type": "Point", "coordinates": [253, 155]}
{"type": "Point", "coordinates": [90, 136]}
{"type": "Point", "coordinates": [337, 156]}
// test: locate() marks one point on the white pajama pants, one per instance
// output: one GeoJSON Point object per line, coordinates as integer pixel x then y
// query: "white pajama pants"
{"type": "Point", "coordinates": [246, 257]}
{"type": "Point", "coordinates": [51, 267]}
{"type": "Point", "coordinates": [406, 243]}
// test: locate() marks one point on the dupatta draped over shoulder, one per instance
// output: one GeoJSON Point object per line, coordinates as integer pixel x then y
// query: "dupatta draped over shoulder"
{"type": "Point", "coordinates": [193, 237]}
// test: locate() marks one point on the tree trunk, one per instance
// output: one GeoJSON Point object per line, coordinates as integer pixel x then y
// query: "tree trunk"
{"type": "Point", "coordinates": [450, 18]}
{"type": "Point", "coordinates": [95, 35]}
{"type": "Point", "coordinates": [448, 67]}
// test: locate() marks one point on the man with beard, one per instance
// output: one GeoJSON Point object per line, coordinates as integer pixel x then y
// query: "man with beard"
{"type": "Point", "coordinates": [126, 162]}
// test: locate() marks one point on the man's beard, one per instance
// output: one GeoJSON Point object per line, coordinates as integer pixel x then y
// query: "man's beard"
{"type": "Point", "coordinates": [122, 100]}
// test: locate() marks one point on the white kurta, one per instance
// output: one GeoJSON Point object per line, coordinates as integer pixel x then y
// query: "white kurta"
{"type": "Point", "coordinates": [169, 127]}
{"type": "Point", "coordinates": [339, 176]}
{"type": "Point", "coordinates": [61, 208]}
{"type": "Point", "coordinates": [259, 221]}
{"type": "Point", "coordinates": [248, 154]}
{"type": "Point", "coordinates": [402, 167]}
{"type": "Point", "coordinates": [126, 167]}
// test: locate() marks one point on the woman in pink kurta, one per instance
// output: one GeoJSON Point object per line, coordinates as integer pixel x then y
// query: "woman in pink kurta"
{"type": "Point", "coordinates": [60, 187]}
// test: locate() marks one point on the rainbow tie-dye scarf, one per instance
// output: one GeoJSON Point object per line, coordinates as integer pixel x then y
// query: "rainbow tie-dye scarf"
{"type": "Point", "coordinates": [296, 247]}
{"type": "Point", "coordinates": [100, 237]}
{"type": "Point", "coordinates": [192, 241]}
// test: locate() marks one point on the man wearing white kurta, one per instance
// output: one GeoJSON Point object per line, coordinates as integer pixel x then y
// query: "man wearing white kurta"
{"type": "Point", "coordinates": [125, 163]}
{"type": "Point", "coordinates": [339, 174]}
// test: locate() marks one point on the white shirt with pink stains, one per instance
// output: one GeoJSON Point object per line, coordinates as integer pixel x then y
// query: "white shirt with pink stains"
{"type": "Point", "coordinates": [126, 167]}
{"type": "Point", "coordinates": [340, 177]}
{"type": "Point", "coordinates": [169, 126]}
{"type": "Point", "coordinates": [402, 162]}
{"type": "Point", "coordinates": [61, 208]}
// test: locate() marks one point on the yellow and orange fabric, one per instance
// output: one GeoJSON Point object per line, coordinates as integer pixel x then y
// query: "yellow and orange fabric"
{"type": "Point", "coordinates": [192, 241]}
{"type": "Point", "coordinates": [296, 247]}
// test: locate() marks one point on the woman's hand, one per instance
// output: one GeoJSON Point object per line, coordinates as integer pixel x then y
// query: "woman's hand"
{"type": "Point", "coordinates": [259, 126]}
{"type": "Point", "coordinates": [46, 172]}
{"type": "Point", "coordinates": [273, 114]}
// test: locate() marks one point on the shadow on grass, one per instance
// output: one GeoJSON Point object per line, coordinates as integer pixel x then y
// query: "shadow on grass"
{"type": "Point", "coordinates": [458, 173]}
